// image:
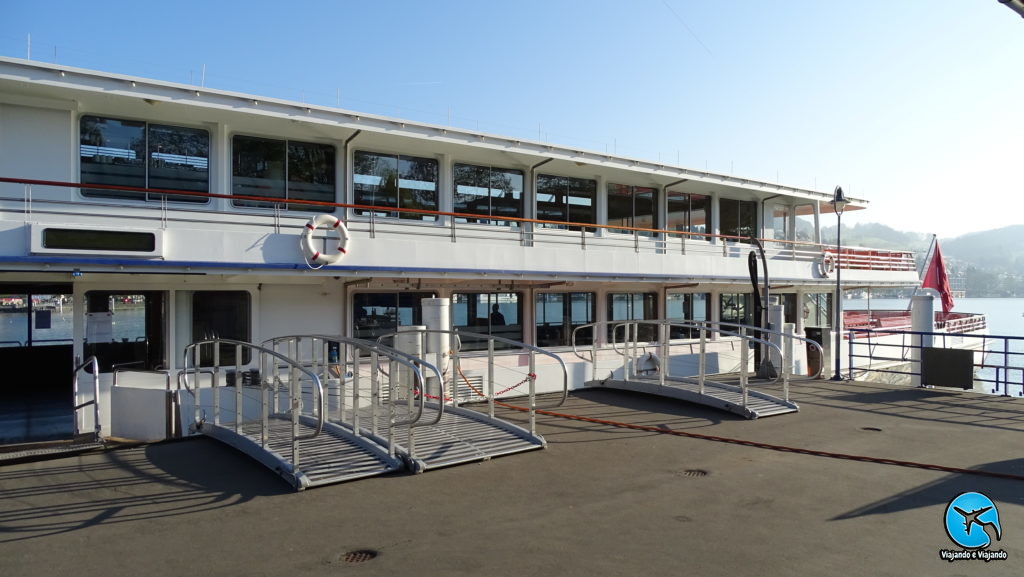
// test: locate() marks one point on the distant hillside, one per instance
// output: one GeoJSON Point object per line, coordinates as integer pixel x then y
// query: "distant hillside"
{"type": "Point", "coordinates": [990, 262]}
{"type": "Point", "coordinates": [1000, 249]}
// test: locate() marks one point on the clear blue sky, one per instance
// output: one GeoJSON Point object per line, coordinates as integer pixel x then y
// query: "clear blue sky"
{"type": "Point", "coordinates": [915, 105]}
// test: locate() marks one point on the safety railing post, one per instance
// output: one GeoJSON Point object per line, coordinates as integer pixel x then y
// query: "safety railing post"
{"type": "Point", "coordinates": [593, 353]}
{"type": "Point", "coordinates": [345, 354]}
{"type": "Point", "coordinates": [293, 389]}
{"type": "Point", "coordinates": [744, 352]}
{"type": "Point", "coordinates": [356, 385]}
{"type": "Point", "coordinates": [490, 378]}
{"type": "Point", "coordinates": [532, 377]}
{"type": "Point", "coordinates": [265, 392]}
{"type": "Point", "coordinates": [663, 351]}
{"type": "Point", "coordinates": [1006, 365]}
{"type": "Point", "coordinates": [374, 394]}
{"type": "Point", "coordinates": [701, 359]}
{"type": "Point", "coordinates": [787, 363]}
{"type": "Point", "coordinates": [216, 381]}
{"type": "Point", "coordinates": [238, 388]}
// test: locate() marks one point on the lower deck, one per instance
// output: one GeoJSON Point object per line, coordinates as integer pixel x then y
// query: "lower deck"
{"type": "Point", "coordinates": [599, 501]}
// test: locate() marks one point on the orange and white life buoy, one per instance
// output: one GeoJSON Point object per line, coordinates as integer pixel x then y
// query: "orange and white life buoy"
{"type": "Point", "coordinates": [827, 264]}
{"type": "Point", "coordinates": [330, 222]}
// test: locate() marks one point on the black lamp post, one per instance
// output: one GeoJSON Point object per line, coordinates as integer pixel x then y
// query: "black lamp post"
{"type": "Point", "coordinates": [839, 203]}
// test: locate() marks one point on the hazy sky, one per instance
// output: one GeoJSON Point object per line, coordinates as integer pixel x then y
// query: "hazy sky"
{"type": "Point", "coordinates": [915, 105]}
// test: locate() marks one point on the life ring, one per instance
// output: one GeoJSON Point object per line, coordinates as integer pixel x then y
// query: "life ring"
{"type": "Point", "coordinates": [330, 222]}
{"type": "Point", "coordinates": [827, 264]}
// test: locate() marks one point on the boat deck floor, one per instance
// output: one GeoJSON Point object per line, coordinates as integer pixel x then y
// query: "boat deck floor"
{"type": "Point", "coordinates": [599, 500]}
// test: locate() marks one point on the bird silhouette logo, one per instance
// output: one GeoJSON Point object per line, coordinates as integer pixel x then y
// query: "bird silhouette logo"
{"type": "Point", "coordinates": [972, 521]}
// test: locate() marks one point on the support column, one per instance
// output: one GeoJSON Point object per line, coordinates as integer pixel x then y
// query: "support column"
{"type": "Point", "coordinates": [922, 319]}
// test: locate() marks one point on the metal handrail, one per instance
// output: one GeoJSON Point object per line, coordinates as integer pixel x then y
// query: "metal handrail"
{"type": "Point", "coordinates": [408, 361]}
{"type": "Point", "coordinates": [192, 357]}
{"type": "Point", "coordinates": [491, 339]}
{"type": "Point", "coordinates": [94, 364]}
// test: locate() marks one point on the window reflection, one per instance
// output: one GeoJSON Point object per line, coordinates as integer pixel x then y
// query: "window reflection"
{"type": "Point", "coordinates": [395, 181]}
{"type": "Point", "coordinates": [488, 191]}
{"type": "Point", "coordinates": [565, 199]}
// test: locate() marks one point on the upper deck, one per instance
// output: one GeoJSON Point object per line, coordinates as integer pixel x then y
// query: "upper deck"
{"type": "Point", "coordinates": [421, 200]}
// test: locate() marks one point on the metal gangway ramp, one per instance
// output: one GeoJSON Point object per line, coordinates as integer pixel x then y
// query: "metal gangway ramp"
{"type": "Point", "coordinates": [448, 433]}
{"type": "Point", "coordinates": [275, 409]}
{"type": "Point", "coordinates": [652, 357]}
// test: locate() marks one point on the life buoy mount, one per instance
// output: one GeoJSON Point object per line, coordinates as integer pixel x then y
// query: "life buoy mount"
{"type": "Point", "coordinates": [331, 223]}
{"type": "Point", "coordinates": [827, 264]}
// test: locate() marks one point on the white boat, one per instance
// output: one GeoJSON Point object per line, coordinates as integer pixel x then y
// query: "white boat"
{"type": "Point", "coordinates": [527, 240]}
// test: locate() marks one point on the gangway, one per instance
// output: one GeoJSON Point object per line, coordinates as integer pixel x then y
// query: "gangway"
{"type": "Point", "coordinates": [464, 434]}
{"type": "Point", "coordinates": [275, 410]}
{"type": "Point", "coordinates": [652, 362]}
{"type": "Point", "coordinates": [448, 434]}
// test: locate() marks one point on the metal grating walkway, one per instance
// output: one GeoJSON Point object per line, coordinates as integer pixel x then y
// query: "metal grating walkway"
{"type": "Point", "coordinates": [724, 396]}
{"type": "Point", "coordinates": [334, 456]}
{"type": "Point", "coordinates": [464, 435]}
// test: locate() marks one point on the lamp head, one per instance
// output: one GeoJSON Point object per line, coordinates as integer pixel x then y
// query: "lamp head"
{"type": "Point", "coordinates": [839, 201]}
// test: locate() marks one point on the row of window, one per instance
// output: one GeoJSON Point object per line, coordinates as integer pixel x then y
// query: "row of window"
{"type": "Point", "coordinates": [139, 154]}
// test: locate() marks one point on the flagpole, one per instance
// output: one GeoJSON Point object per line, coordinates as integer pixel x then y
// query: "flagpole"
{"type": "Point", "coordinates": [924, 265]}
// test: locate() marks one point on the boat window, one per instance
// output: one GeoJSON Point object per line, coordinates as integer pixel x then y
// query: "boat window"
{"type": "Point", "coordinates": [496, 314]}
{"type": "Point", "coordinates": [140, 155]}
{"type": "Point", "coordinates": [738, 218]}
{"type": "Point", "coordinates": [816, 310]}
{"type": "Point", "coordinates": [633, 306]}
{"type": "Point", "coordinates": [394, 181]}
{"type": "Point", "coordinates": [376, 314]}
{"type": "Point", "coordinates": [125, 329]}
{"type": "Point", "coordinates": [805, 223]}
{"type": "Point", "coordinates": [489, 192]}
{"type": "Point", "coordinates": [688, 307]}
{"type": "Point", "coordinates": [565, 199]}
{"type": "Point", "coordinates": [34, 320]}
{"type": "Point", "coordinates": [737, 308]}
{"type": "Point", "coordinates": [634, 206]}
{"type": "Point", "coordinates": [222, 315]}
{"type": "Point", "coordinates": [780, 222]}
{"type": "Point", "coordinates": [558, 314]}
{"type": "Point", "coordinates": [687, 212]}
{"type": "Point", "coordinates": [286, 170]}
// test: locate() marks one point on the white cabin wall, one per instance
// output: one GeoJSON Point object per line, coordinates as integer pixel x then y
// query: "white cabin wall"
{"type": "Point", "coordinates": [35, 143]}
{"type": "Point", "coordinates": [289, 309]}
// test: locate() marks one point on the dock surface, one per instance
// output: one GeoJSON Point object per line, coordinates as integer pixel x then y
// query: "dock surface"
{"type": "Point", "coordinates": [600, 501]}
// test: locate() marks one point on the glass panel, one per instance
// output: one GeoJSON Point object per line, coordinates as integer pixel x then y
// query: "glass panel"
{"type": "Point", "coordinates": [497, 314]}
{"type": "Point", "coordinates": [311, 175]}
{"type": "Point", "coordinates": [376, 314]}
{"type": "Point", "coordinates": [729, 221]}
{"type": "Point", "coordinates": [471, 192]}
{"type": "Point", "coordinates": [581, 198]}
{"type": "Point", "coordinates": [417, 182]}
{"type": "Point", "coordinates": [747, 219]}
{"type": "Point", "coordinates": [557, 314]}
{"type": "Point", "coordinates": [737, 308]}
{"type": "Point", "coordinates": [678, 211]}
{"type": "Point", "coordinates": [633, 306]}
{"type": "Point", "coordinates": [804, 223]}
{"type": "Point", "coordinates": [620, 206]}
{"type": "Point", "coordinates": [816, 310]}
{"type": "Point", "coordinates": [780, 222]}
{"type": "Point", "coordinates": [224, 315]}
{"type": "Point", "coordinates": [113, 152]}
{"type": "Point", "coordinates": [179, 159]}
{"type": "Point", "coordinates": [258, 169]}
{"type": "Point", "coordinates": [700, 208]}
{"type": "Point", "coordinates": [375, 181]}
{"type": "Point", "coordinates": [506, 189]}
{"type": "Point", "coordinates": [551, 199]}
{"type": "Point", "coordinates": [14, 320]}
{"type": "Point", "coordinates": [645, 207]}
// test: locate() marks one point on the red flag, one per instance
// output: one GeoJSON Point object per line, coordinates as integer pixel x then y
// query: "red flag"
{"type": "Point", "coordinates": [935, 277]}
